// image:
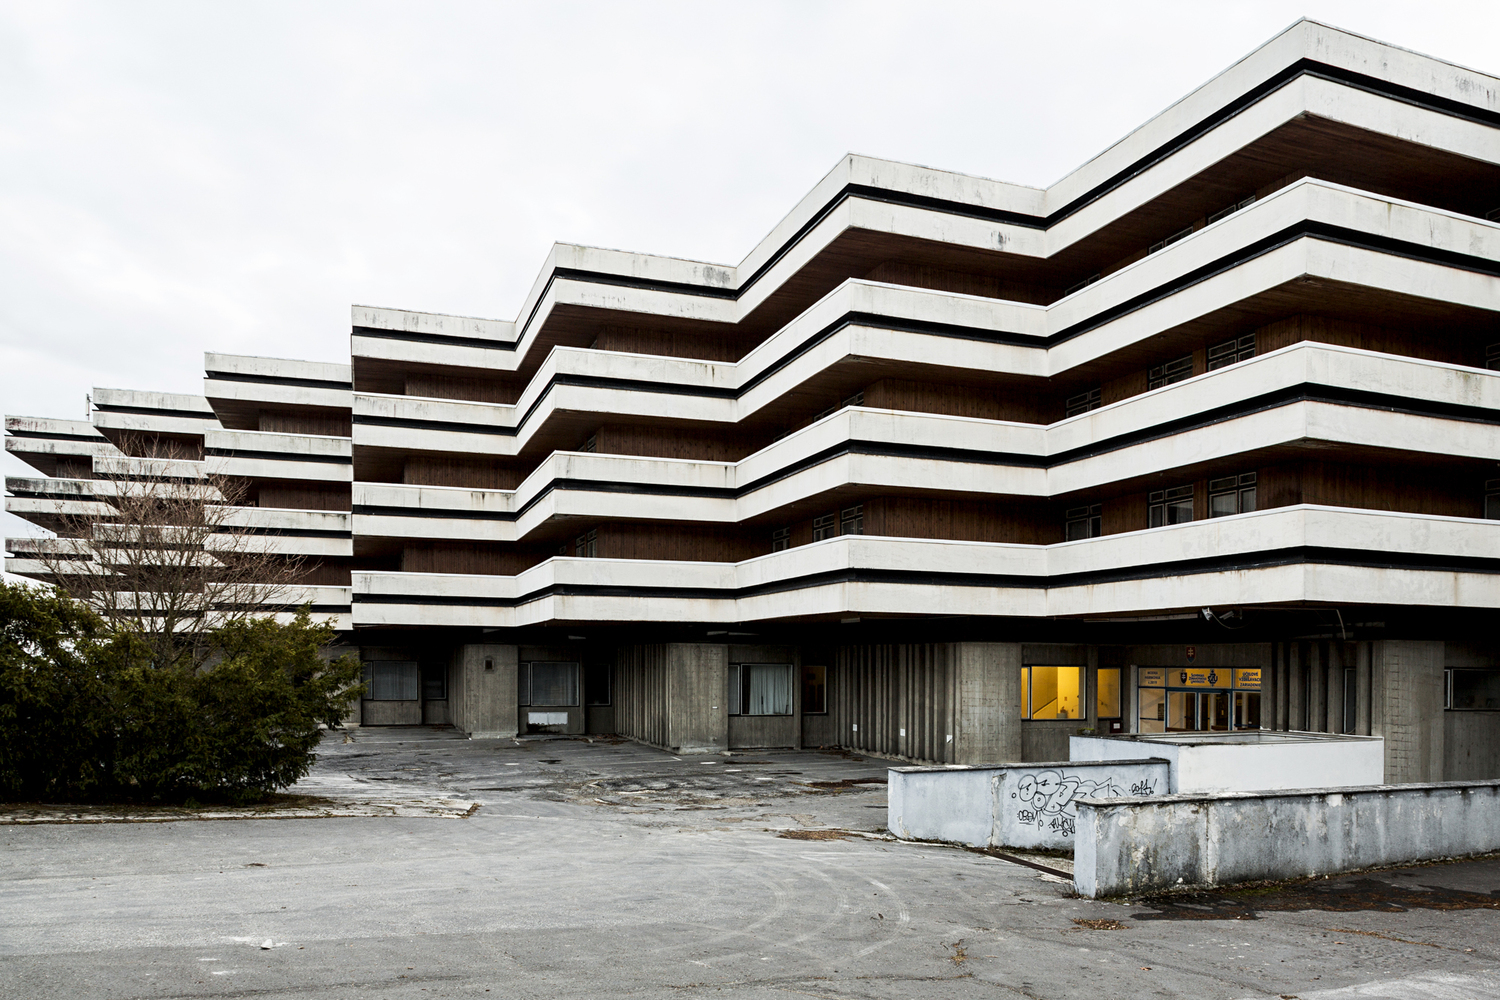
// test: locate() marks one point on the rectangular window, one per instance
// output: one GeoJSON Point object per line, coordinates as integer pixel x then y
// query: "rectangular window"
{"type": "Point", "coordinates": [1231, 351]}
{"type": "Point", "coordinates": [1107, 693]}
{"type": "Point", "coordinates": [591, 444]}
{"type": "Point", "coordinates": [1086, 282]}
{"type": "Point", "coordinates": [1229, 210]}
{"type": "Point", "coordinates": [814, 690]}
{"type": "Point", "coordinates": [825, 527]}
{"type": "Point", "coordinates": [1492, 500]}
{"type": "Point", "coordinates": [551, 684]}
{"type": "Point", "coordinates": [1351, 700]}
{"type": "Point", "coordinates": [596, 684]}
{"type": "Point", "coordinates": [1174, 506]}
{"type": "Point", "coordinates": [434, 683]}
{"type": "Point", "coordinates": [1180, 234]}
{"type": "Point", "coordinates": [732, 681]}
{"type": "Point", "coordinates": [781, 539]}
{"type": "Point", "coordinates": [764, 689]}
{"type": "Point", "coordinates": [587, 545]}
{"type": "Point", "coordinates": [1473, 690]}
{"type": "Point", "coordinates": [391, 680]}
{"type": "Point", "coordinates": [1172, 371]}
{"type": "Point", "coordinates": [1052, 692]}
{"type": "Point", "coordinates": [1231, 495]}
{"type": "Point", "coordinates": [1083, 522]}
{"type": "Point", "coordinates": [1492, 357]}
{"type": "Point", "coordinates": [1085, 401]}
{"type": "Point", "coordinates": [852, 520]}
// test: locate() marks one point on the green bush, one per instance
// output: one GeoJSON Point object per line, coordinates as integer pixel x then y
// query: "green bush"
{"type": "Point", "coordinates": [84, 715]}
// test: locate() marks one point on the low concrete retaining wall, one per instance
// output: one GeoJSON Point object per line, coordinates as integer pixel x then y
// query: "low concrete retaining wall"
{"type": "Point", "coordinates": [1250, 761]}
{"type": "Point", "coordinates": [1009, 805]}
{"type": "Point", "coordinates": [1130, 845]}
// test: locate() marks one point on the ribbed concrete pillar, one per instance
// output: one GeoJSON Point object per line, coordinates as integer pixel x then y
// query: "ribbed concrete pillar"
{"type": "Point", "coordinates": [1411, 709]}
{"type": "Point", "coordinates": [987, 702]}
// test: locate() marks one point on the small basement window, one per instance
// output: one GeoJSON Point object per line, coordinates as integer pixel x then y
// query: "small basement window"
{"type": "Point", "coordinates": [1473, 690]}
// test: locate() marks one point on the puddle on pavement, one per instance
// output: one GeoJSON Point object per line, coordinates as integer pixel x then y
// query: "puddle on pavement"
{"type": "Point", "coordinates": [1343, 896]}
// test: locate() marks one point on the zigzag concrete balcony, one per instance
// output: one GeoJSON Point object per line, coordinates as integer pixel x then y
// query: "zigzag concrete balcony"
{"type": "Point", "coordinates": [1311, 83]}
{"type": "Point", "coordinates": [43, 443]}
{"type": "Point", "coordinates": [120, 413]}
{"type": "Point", "coordinates": [239, 387]}
{"type": "Point", "coordinates": [324, 533]}
{"type": "Point", "coordinates": [1396, 257]}
{"type": "Point", "coordinates": [266, 455]}
{"type": "Point", "coordinates": [1289, 555]}
{"type": "Point", "coordinates": [1308, 397]}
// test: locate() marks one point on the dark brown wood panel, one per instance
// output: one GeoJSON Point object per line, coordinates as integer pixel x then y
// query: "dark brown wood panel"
{"type": "Point", "coordinates": [332, 423]}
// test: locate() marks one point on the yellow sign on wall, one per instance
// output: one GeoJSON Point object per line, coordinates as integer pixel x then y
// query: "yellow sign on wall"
{"type": "Point", "coordinates": [1247, 678]}
{"type": "Point", "coordinates": [1199, 677]}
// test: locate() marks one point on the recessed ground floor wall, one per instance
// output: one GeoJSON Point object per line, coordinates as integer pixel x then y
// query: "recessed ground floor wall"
{"type": "Point", "coordinates": [1435, 703]}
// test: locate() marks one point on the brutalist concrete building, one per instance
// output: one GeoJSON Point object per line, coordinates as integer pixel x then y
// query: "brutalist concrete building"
{"type": "Point", "coordinates": [1202, 437]}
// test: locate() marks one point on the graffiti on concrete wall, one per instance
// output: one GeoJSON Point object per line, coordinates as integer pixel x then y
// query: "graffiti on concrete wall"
{"type": "Point", "coordinates": [1047, 799]}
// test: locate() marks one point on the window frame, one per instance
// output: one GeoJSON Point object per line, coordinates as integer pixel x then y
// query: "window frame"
{"type": "Point", "coordinates": [526, 689]}
{"type": "Point", "coordinates": [413, 684]}
{"type": "Point", "coordinates": [1230, 352]}
{"type": "Point", "coordinates": [1236, 486]}
{"type": "Point", "coordinates": [1170, 372]}
{"type": "Point", "coordinates": [738, 680]}
{"type": "Point", "coordinates": [1164, 500]}
{"type": "Point", "coordinates": [1091, 517]}
{"type": "Point", "coordinates": [821, 687]}
{"type": "Point", "coordinates": [1449, 678]}
{"type": "Point", "coordinates": [1083, 402]}
{"type": "Point", "coordinates": [1028, 687]}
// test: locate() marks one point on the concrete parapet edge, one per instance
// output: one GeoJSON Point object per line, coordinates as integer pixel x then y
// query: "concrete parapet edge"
{"type": "Point", "coordinates": [1136, 844]}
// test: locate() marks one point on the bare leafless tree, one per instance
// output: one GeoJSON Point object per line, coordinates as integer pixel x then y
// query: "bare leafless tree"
{"type": "Point", "coordinates": [167, 550]}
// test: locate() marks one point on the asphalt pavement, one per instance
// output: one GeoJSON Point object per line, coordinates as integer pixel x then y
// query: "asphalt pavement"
{"type": "Point", "coordinates": [609, 869]}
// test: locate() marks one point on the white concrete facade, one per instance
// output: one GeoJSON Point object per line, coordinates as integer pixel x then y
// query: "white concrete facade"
{"type": "Point", "coordinates": [878, 429]}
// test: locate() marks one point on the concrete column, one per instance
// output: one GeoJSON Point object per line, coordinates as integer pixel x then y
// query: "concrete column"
{"type": "Point", "coordinates": [482, 691]}
{"type": "Point", "coordinates": [1411, 674]}
{"type": "Point", "coordinates": [987, 711]}
{"type": "Point", "coordinates": [697, 710]}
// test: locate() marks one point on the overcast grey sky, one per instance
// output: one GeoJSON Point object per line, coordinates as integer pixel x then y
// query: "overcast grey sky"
{"type": "Point", "coordinates": [182, 177]}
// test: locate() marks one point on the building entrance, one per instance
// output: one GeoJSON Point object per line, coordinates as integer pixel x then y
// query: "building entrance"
{"type": "Point", "coordinates": [1197, 700]}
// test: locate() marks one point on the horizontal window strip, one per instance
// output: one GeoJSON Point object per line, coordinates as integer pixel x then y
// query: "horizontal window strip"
{"type": "Point", "coordinates": [1269, 559]}
{"type": "Point", "coordinates": [44, 436]}
{"type": "Point", "coordinates": [1301, 393]}
{"type": "Point", "coordinates": [152, 411]}
{"type": "Point", "coordinates": [278, 456]}
{"type": "Point", "coordinates": [1301, 230]}
{"type": "Point", "coordinates": [1303, 67]}
{"type": "Point", "coordinates": [299, 383]}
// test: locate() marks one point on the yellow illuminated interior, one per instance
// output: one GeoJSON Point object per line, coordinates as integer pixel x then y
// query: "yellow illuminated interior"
{"type": "Point", "coordinates": [1107, 695]}
{"type": "Point", "coordinates": [1053, 692]}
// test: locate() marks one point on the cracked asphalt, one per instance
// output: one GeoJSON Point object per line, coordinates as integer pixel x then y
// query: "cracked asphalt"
{"type": "Point", "coordinates": [609, 869]}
